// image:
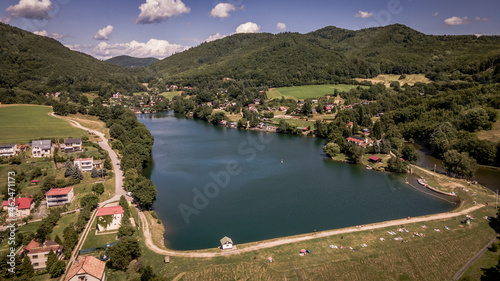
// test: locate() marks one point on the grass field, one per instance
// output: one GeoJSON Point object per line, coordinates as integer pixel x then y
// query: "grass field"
{"type": "Point", "coordinates": [437, 256]}
{"type": "Point", "coordinates": [411, 79]}
{"type": "Point", "coordinates": [23, 123]}
{"type": "Point", "coordinates": [306, 92]}
{"type": "Point", "coordinates": [170, 95]}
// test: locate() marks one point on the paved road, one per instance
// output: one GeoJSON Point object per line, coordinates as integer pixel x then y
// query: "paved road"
{"type": "Point", "coordinates": [119, 191]}
{"type": "Point", "coordinates": [288, 240]}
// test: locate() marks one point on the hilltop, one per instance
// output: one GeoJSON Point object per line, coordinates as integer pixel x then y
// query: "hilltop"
{"type": "Point", "coordinates": [39, 64]}
{"type": "Point", "coordinates": [331, 55]}
{"type": "Point", "coordinates": [131, 62]}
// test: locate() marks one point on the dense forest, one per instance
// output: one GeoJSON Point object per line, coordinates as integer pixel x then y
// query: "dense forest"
{"type": "Point", "coordinates": [334, 55]}
{"type": "Point", "coordinates": [131, 62]}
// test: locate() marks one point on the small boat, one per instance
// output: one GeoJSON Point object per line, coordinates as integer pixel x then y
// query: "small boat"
{"type": "Point", "coordinates": [369, 167]}
{"type": "Point", "coordinates": [281, 161]}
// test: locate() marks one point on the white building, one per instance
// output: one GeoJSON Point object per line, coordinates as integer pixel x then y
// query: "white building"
{"type": "Point", "coordinates": [226, 243]}
{"type": "Point", "coordinates": [105, 214]}
{"type": "Point", "coordinates": [8, 150]}
{"type": "Point", "coordinates": [84, 164]}
{"type": "Point", "coordinates": [59, 196]}
{"type": "Point", "coordinates": [41, 148]}
{"type": "Point", "coordinates": [72, 145]}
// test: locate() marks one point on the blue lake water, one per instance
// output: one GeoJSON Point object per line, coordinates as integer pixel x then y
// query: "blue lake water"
{"type": "Point", "coordinates": [214, 182]}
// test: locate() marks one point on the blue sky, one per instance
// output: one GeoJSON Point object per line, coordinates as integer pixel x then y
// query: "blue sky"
{"type": "Point", "coordinates": [158, 28]}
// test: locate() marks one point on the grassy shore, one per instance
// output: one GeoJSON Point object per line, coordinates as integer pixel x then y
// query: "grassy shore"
{"type": "Point", "coordinates": [23, 123]}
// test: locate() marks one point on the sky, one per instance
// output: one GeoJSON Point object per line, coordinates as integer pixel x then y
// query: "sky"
{"type": "Point", "coordinates": [160, 28]}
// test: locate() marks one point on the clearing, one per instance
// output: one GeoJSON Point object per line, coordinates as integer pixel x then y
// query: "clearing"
{"type": "Point", "coordinates": [23, 123]}
{"type": "Point", "coordinates": [310, 91]}
{"type": "Point", "coordinates": [411, 79]}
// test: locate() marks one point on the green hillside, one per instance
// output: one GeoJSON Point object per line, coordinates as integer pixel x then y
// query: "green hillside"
{"type": "Point", "coordinates": [131, 62]}
{"type": "Point", "coordinates": [333, 55]}
{"type": "Point", "coordinates": [37, 64]}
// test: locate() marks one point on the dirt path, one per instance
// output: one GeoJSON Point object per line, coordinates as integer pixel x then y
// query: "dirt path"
{"type": "Point", "coordinates": [282, 241]}
{"type": "Point", "coordinates": [119, 191]}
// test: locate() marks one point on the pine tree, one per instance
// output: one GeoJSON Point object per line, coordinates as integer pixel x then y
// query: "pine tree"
{"type": "Point", "coordinates": [77, 174]}
{"type": "Point", "coordinates": [94, 174]}
{"type": "Point", "coordinates": [27, 267]}
{"type": "Point", "coordinates": [51, 259]}
{"type": "Point", "coordinates": [69, 169]}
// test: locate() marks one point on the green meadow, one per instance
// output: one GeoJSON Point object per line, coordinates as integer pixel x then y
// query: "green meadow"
{"type": "Point", "coordinates": [24, 123]}
{"type": "Point", "coordinates": [306, 92]}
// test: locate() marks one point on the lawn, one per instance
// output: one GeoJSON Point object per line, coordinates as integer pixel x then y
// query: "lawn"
{"type": "Point", "coordinates": [170, 95]}
{"type": "Point", "coordinates": [296, 122]}
{"type": "Point", "coordinates": [437, 256]}
{"type": "Point", "coordinates": [306, 92]}
{"type": "Point", "coordinates": [23, 123]}
{"type": "Point", "coordinates": [386, 79]}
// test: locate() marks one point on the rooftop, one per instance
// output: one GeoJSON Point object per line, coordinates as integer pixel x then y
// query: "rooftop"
{"type": "Point", "coordinates": [225, 240]}
{"type": "Point", "coordinates": [109, 211]}
{"type": "Point", "coordinates": [86, 265]}
{"type": "Point", "coordinates": [21, 203]}
{"type": "Point", "coordinates": [59, 191]}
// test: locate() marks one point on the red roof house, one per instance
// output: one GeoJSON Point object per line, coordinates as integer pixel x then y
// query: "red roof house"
{"type": "Point", "coordinates": [59, 196]}
{"type": "Point", "coordinates": [374, 159]}
{"type": "Point", "coordinates": [109, 223]}
{"type": "Point", "coordinates": [360, 141]}
{"type": "Point", "coordinates": [21, 207]}
{"type": "Point", "coordinates": [105, 211]}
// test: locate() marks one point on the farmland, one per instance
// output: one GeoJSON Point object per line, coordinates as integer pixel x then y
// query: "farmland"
{"type": "Point", "coordinates": [25, 123]}
{"type": "Point", "coordinates": [306, 92]}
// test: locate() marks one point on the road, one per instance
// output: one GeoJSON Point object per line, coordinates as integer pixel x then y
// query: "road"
{"type": "Point", "coordinates": [119, 191]}
{"type": "Point", "coordinates": [288, 240]}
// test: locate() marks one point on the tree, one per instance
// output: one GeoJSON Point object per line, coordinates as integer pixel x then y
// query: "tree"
{"type": "Point", "coordinates": [93, 173]}
{"type": "Point", "coordinates": [396, 165]}
{"type": "Point", "coordinates": [98, 189]}
{"type": "Point", "coordinates": [376, 132]}
{"type": "Point", "coordinates": [27, 267]}
{"type": "Point", "coordinates": [57, 269]}
{"type": "Point", "coordinates": [121, 254]}
{"type": "Point", "coordinates": [90, 201]}
{"type": "Point", "coordinates": [459, 164]}
{"type": "Point", "coordinates": [410, 154]}
{"type": "Point", "coordinates": [145, 192]}
{"type": "Point", "coordinates": [354, 153]}
{"type": "Point", "coordinates": [77, 173]}
{"type": "Point", "coordinates": [51, 259]}
{"type": "Point", "coordinates": [147, 274]}
{"type": "Point", "coordinates": [58, 240]}
{"type": "Point", "coordinates": [331, 149]}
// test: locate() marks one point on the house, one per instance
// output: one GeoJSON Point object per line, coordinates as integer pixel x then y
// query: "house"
{"type": "Point", "coordinates": [223, 122]}
{"type": "Point", "coordinates": [41, 148]}
{"type": "Point", "coordinates": [350, 125]}
{"type": "Point", "coordinates": [71, 145]}
{"type": "Point", "coordinates": [257, 101]}
{"type": "Point", "coordinates": [314, 111]}
{"type": "Point", "coordinates": [98, 164]}
{"type": "Point", "coordinates": [8, 150]}
{"type": "Point", "coordinates": [251, 107]}
{"type": "Point", "coordinates": [19, 208]}
{"type": "Point", "coordinates": [118, 95]}
{"type": "Point", "coordinates": [59, 196]}
{"type": "Point", "coordinates": [374, 159]}
{"type": "Point", "coordinates": [282, 108]}
{"type": "Point", "coordinates": [38, 254]}
{"type": "Point", "coordinates": [84, 164]}
{"type": "Point", "coordinates": [363, 142]}
{"type": "Point", "coordinates": [328, 109]}
{"type": "Point", "coordinates": [109, 218]}
{"type": "Point", "coordinates": [226, 243]}
{"type": "Point", "coordinates": [86, 268]}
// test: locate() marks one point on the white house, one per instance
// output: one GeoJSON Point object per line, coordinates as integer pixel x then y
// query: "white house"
{"type": "Point", "coordinates": [226, 243]}
{"type": "Point", "coordinates": [8, 150]}
{"type": "Point", "coordinates": [84, 164]}
{"type": "Point", "coordinates": [114, 213]}
{"type": "Point", "coordinates": [86, 268]}
{"type": "Point", "coordinates": [59, 196]}
{"type": "Point", "coordinates": [71, 145]}
{"type": "Point", "coordinates": [19, 208]}
{"type": "Point", "coordinates": [41, 148]}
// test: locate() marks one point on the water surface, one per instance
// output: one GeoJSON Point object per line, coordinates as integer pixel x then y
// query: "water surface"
{"type": "Point", "coordinates": [257, 197]}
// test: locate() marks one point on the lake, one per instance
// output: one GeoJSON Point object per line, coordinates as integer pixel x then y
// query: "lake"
{"type": "Point", "coordinates": [214, 182]}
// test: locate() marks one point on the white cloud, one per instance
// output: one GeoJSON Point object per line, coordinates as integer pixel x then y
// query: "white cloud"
{"type": "Point", "coordinates": [30, 9]}
{"type": "Point", "coordinates": [52, 35]}
{"type": "Point", "coordinates": [222, 10]}
{"type": "Point", "coordinates": [464, 20]}
{"type": "Point", "coordinates": [281, 26]}
{"type": "Point", "coordinates": [214, 37]}
{"type": "Point", "coordinates": [153, 48]}
{"type": "Point", "coordinates": [435, 14]}
{"type": "Point", "coordinates": [155, 11]}
{"type": "Point", "coordinates": [104, 33]}
{"type": "Point", "coordinates": [362, 14]}
{"type": "Point", "coordinates": [249, 27]}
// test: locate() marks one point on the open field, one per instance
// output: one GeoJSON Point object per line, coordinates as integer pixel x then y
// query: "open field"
{"type": "Point", "coordinates": [170, 95]}
{"type": "Point", "coordinates": [487, 260]}
{"type": "Point", "coordinates": [306, 92]}
{"type": "Point", "coordinates": [91, 122]}
{"type": "Point", "coordinates": [437, 256]}
{"type": "Point", "coordinates": [411, 79]}
{"type": "Point", "coordinates": [23, 123]}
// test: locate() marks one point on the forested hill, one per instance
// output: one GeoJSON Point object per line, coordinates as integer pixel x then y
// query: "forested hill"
{"type": "Point", "coordinates": [332, 54]}
{"type": "Point", "coordinates": [132, 62]}
{"type": "Point", "coordinates": [32, 64]}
